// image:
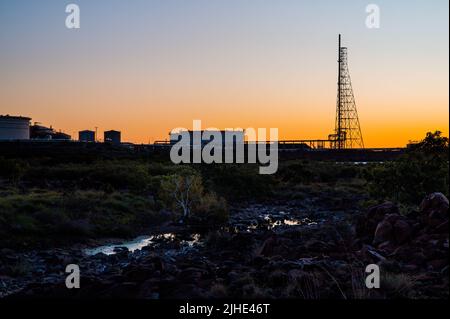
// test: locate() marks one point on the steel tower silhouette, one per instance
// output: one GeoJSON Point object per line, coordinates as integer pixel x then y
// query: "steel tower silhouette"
{"type": "Point", "coordinates": [347, 133]}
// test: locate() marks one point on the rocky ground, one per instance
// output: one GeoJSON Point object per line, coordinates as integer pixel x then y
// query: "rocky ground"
{"type": "Point", "coordinates": [276, 250]}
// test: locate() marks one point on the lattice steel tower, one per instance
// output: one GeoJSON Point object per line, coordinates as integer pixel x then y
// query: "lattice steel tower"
{"type": "Point", "coordinates": [347, 129]}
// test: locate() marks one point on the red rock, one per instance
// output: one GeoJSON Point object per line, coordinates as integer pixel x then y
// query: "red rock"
{"type": "Point", "coordinates": [386, 246]}
{"type": "Point", "coordinates": [402, 231]}
{"type": "Point", "coordinates": [434, 209]}
{"type": "Point", "coordinates": [410, 268]}
{"type": "Point", "coordinates": [442, 228]}
{"type": "Point", "coordinates": [268, 247]}
{"type": "Point", "coordinates": [392, 218]}
{"type": "Point", "coordinates": [383, 232]}
{"type": "Point", "coordinates": [377, 213]}
{"type": "Point", "coordinates": [437, 264]}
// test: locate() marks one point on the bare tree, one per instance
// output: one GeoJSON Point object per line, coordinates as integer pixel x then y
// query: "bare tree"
{"type": "Point", "coordinates": [183, 192]}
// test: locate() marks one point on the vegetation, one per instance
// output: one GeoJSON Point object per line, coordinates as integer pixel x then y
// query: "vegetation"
{"type": "Point", "coordinates": [57, 199]}
{"type": "Point", "coordinates": [423, 170]}
{"type": "Point", "coordinates": [45, 216]}
{"type": "Point", "coordinates": [186, 194]}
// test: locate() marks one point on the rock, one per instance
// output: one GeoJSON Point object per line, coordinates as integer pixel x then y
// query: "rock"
{"type": "Point", "coordinates": [315, 245]}
{"type": "Point", "coordinates": [410, 268]}
{"type": "Point", "coordinates": [268, 247]}
{"type": "Point", "coordinates": [121, 251]}
{"type": "Point", "coordinates": [367, 224]}
{"type": "Point", "coordinates": [187, 291]}
{"type": "Point", "coordinates": [434, 209]}
{"type": "Point", "coordinates": [277, 278]}
{"type": "Point", "coordinates": [372, 252]}
{"type": "Point", "coordinates": [386, 246]}
{"type": "Point", "coordinates": [442, 228]}
{"type": "Point", "coordinates": [233, 276]}
{"type": "Point", "coordinates": [417, 258]}
{"type": "Point", "coordinates": [157, 262]}
{"type": "Point", "coordinates": [402, 231]}
{"type": "Point", "coordinates": [383, 232]}
{"type": "Point", "coordinates": [392, 218]}
{"type": "Point", "coordinates": [139, 274]}
{"type": "Point", "coordinates": [437, 264]}
{"type": "Point", "coordinates": [377, 213]}
{"type": "Point", "coordinates": [259, 261]}
{"type": "Point", "coordinates": [191, 275]}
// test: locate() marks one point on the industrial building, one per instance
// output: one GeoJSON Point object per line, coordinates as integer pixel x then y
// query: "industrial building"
{"type": "Point", "coordinates": [14, 127]}
{"type": "Point", "coordinates": [113, 137]}
{"type": "Point", "coordinates": [228, 138]}
{"type": "Point", "coordinates": [40, 132]}
{"type": "Point", "coordinates": [86, 136]}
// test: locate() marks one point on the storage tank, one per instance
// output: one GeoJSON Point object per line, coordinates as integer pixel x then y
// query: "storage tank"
{"type": "Point", "coordinates": [86, 136]}
{"type": "Point", "coordinates": [112, 137]}
{"type": "Point", "coordinates": [14, 127]}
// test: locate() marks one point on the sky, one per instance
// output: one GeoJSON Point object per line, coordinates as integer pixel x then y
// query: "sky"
{"type": "Point", "coordinates": [145, 67]}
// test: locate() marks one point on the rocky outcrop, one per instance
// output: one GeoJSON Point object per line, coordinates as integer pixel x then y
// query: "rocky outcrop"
{"type": "Point", "coordinates": [418, 240]}
{"type": "Point", "coordinates": [321, 260]}
{"type": "Point", "coordinates": [435, 212]}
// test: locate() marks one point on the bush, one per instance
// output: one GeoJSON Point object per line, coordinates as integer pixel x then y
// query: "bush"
{"type": "Point", "coordinates": [38, 218]}
{"type": "Point", "coordinates": [211, 211]}
{"type": "Point", "coordinates": [13, 170]}
{"type": "Point", "coordinates": [186, 196]}
{"type": "Point", "coordinates": [423, 170]}
{"type": "Point", "coordinates": [237, 181]}
{"type": "Point", "coordinates": [305, 172]}
{"type": "Point", "coordinates": [107, 175]}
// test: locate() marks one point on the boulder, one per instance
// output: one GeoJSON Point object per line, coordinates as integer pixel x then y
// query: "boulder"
{"type": "Point", "coordinates": [369, 223]}
{"type": "Point", "coordinates": [402, 231]}
{"type": "Point", "coordinates": [383, 232]}
{"type": "Point", "coordinates": [437, 264]}
{"type": "Point", "coordinates": [434, 209]}
{"type": "Point", "coordinates": [268, 247]}
{"type": "Point", "coordinates": [377, 213]}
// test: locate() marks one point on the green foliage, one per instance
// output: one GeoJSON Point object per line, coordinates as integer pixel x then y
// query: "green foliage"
{"type": "Point", "coordinates": [51, 198]}
{"type": "Point", "coordinates": [433, 143]}
{"type": "Point", "coordinates": [12, 170]}
{"type": "Point", "coordinates": [306, 172]}
{"type": "Point", "coordinates": [185, 194]}
{"type": "Point", "coordinates": [210, 210]}
{"type": "Point", "coordinates": [107, 175]}
{"type": "Point", "coordinates": [39, 217]}
{"type": "Point", "coordinates": [238, 181]}
{"type": "Point", "coordinates": [423, 170]}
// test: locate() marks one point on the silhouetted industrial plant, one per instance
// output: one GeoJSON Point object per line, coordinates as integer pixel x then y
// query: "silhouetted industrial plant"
{"type": "Point", "coordinates": [347, 132]}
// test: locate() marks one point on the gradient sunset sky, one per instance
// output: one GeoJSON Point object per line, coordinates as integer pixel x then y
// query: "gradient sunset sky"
{"type": "Point", "coordinates": [145, 67]}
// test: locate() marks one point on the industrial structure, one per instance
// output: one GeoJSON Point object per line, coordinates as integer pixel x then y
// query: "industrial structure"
{"type": "Point", "coordinates": [347, 133]}
{"type": "Point", "coordinates": [18, 128]}
{"type": "Point", "coordinates": [113, 137]}
{"type": "Point", "coordinates": [347, 129]}
{"type": "Point", "coordinates": [40, 132]}
{"type": "Point", "coordinates": [86, 136]}
{"type": "Point", "coordinates": [14, 127]}
{"type": "Point", "coordinates": [201, 138]}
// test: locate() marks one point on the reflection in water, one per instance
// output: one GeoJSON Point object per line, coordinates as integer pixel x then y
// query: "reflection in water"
{"type": "Point", "coordinates": [139, 243]}
{"type": "Point", "coordinates": [292, 222]}
{"type": "Point", "coordinates": [271, 222]}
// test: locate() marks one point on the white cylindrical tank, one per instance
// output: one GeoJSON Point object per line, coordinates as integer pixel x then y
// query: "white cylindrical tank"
{"type": "Point", "coordinates": [14, 127]}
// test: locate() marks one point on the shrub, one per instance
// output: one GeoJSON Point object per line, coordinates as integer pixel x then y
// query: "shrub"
{"type": "Point", "coordinates": [186, 196]}
{"type": "Point", "coordinates": [12, 169]}
{"type": "Point", "coordinates": [211, 211]}
{"type": "Point", "coordinates": [423, 170]}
